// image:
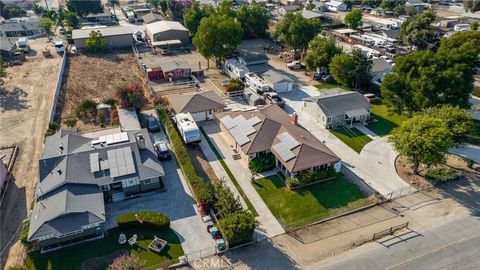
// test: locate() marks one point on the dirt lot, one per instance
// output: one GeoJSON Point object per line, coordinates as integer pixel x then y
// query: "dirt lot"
{"type": "Point", "coordinates": [25, 102]}
{"type": "Point", "coordinates": [96, 77]}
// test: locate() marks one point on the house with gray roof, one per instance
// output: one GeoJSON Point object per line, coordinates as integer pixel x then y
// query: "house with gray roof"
{"type": "Point", "coordinates": [201, 106]}
{"type": "Point", "coordinates": [269, 129]}
{"type": "Point", "coordinates": [21, 28]}
{"type": "Point", "coordinates": [338, 108]}
{"type": "Point", "coordinates": [278, 81]}
{"type": "Point", "coordinates": [78, 174]}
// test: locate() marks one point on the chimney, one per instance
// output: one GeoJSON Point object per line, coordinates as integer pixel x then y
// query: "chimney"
{"type": "Point", "coordinates": [294, 118]}
{"type": "Point", "coordinates": [141, 141]}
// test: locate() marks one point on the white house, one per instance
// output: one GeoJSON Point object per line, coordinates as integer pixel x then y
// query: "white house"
{"type": "Point", "coordinates": [338, 109]}
{"type": "Point", "coordinates": [277, 81]}
{"type": "Point", "coordinates": [380, 68]}
{"type": "Point", "coordinates": [336, 6]}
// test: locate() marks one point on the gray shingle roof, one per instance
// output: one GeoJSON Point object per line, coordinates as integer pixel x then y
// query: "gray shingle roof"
{"type": "Point", "coordinates": [197, 102]}
{"type": "Point", "coordinates": [67, 209]}
{"type": "Point", "coordinates": [338, 104]}
{"type": "Point", "coordinates": [274, 77]}
{"type": "Point", "coordinates": [173, 65]}
{"type": "Point", "coordinates": [106, 31]}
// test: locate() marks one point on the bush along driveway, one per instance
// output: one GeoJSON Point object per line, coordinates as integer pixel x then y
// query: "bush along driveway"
{"type": "Point", "coordinates": [303, 206]}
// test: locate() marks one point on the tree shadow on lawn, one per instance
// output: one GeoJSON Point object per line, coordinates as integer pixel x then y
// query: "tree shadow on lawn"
{"type": "Point", "coordinates": [15, 99]}
{"type": "Point", "coordinates": [383, 126]}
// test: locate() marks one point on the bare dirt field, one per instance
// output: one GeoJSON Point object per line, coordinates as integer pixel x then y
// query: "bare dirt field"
{"type": "Point", "coordinates": [25, 102]}
{"type": "Point", "coordinates": [96, 77]}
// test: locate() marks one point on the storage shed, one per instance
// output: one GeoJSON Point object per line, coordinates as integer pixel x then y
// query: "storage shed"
{"type": "Point", "coordinates": [277, 81]}
{"type": "Point", "coordinates": [168, 30]}
{"type": "Point", "coordinates": [116, 36]}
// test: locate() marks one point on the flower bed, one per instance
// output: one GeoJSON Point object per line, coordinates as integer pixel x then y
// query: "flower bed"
{"type": "Point", "coordinates": [310, 177]}
{"type": "Point", "coordinates": [262, 163]}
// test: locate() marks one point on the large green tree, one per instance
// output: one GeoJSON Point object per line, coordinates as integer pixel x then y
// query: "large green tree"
{"type": "Point", "coordinates": [225, 8]}
{"type": "Point", "coordinates": [296, 31]}
{"type": "Point", "coordinates": [471, 5]}
{"type": "Point", "coordinates": [84, 7]}
{"type": "Point", "coordinates": [457, 120]}
{"type": "Point", "coordinates": [238, 226]}
{"type": "Point", "coordinates": [225, 201]}
{"type": "Point", "coordinates": [418, 31]}
{"type": "Point", "coordinates": [320, 52]}
{"type": "Point", "coordinates": [193, 16]}
{"type": "Point", "coordinates": [354, 19]}
{"type": "Point", "coordinates": [72, 20]}
{"type": "Point", "coordinates": [422, 139]}
{"type": "Point", "coordinates": [46, 25]}
{"type": "Point", "coordinates": [351, 69]}
{"type": "Point", "coordinates": [218, 36]}
{"type": "Point", "coordinates": [254, 19]}
{"type": "Point", "coordinates": [429, 79]}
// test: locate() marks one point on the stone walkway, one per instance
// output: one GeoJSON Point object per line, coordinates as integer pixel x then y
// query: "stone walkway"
{"type": "Point", "coordinates": [268, 224]}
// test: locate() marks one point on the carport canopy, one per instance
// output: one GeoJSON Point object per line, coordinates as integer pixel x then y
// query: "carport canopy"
{"type": "Point", "coordinates": [357, 112]}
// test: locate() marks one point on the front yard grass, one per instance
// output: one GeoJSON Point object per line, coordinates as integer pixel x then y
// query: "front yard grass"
{"type": "Point", "coordinates": [352, 137]}
{"type": "Point", "coordinates": [309, 204]}
{"type": "Point", "coordinates": [386, 121]}
{"type": "Point", "coordinates": [72, 257]}
{"type": "Point", "coordinates": [332, 85]}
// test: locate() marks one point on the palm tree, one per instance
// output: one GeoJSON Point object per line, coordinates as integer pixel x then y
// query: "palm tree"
{"type": "Point", "coordinates": [113, 4]}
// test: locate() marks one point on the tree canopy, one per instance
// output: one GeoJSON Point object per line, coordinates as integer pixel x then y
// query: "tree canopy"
{"type": "Point", "coordinates": [296, 31]}
{"type": "Point", "coordinates": [178, 7]}
{"type": "Point", "coordinates": [72, 19]}
{"type": "Point", "coordinates": [226, 202]}
{"type": "Point", "coordinates": [456, 119]}
{"type": "Point", "coordinates": [422, 139]}
{"type": "Point", "coordinates": [193, 16]}
{"type": "Point", "coordinates": [320, 52]}
{"type": "Point", "coordinates": [218, 36]}
{"type": "Point", "coordinates": [96, 42]}
{"type": "Point", "coordinates": [238, 226]}
{"type": "Point", "coordinates": [46, 25]}
{"type": "Point", "coordinates": [418, 31]}
{"type": "Point", "coordinates": [354, 19]}
{"type": "Point", "coordinates": [429, 79]}
{"type": "Point", "coordinates": [254, 20]}
{"type": "Point", "coordinates": [352, 69]}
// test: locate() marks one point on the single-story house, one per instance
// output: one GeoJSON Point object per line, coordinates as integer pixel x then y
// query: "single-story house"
{"type": "Point", "coordinates": [333, 5]}
{"type": "Point", "coordinates": [21, 28]}
{"type": "Point", "coordinates": [78, 173]}
{"type": "Point", "coordinates": [339, 109]}
{"type": "Point", "coordinates": [152, 17]}
{"type": "Point", "coordinates": [269, 129]}
{"type": "Point", "coordinates": [415, 6]}
{"type": "Point", "coordinates": [289, 8]}
{"type": "Point", "coordinates": [106, 17]}
{"type": "Point", "coordinates": [277, 81]}
{"type": "Point", "coordinates": [201, 106]}
{"type": "Point", "coordinates": [168, 30]}
{"type": "Point", "coordinates": [116, 36]}
{"type": "Point", "coordinates": [172, 70]}
{"type": "Point", "coordinates": [380, 68]}
{"type": "Point", "coordinates": [309, 14]}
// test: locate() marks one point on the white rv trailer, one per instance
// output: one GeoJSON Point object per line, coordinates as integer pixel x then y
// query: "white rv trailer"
{"type": "Point", "coordinates": [369, 52]}
{"type": "Point", "coordinates": [188, 128]}
{"type": "Point", "coordinates": [234, 69]}
{"type": "Point", "coordinates": [390, 41]}
{"type": "Point", "coordinates": [256, 83]}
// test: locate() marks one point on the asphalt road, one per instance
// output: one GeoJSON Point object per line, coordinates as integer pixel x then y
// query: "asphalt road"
{"type": "Point", "coordinates": [455, 245]}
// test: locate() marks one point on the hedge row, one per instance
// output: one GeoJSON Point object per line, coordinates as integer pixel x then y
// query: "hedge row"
{"type": "Point", "coordinates": [152, 220]}
{"type": "Point", "coordinates": [310, 176]}
{"type": "Point", "coordinates": [201, 190]}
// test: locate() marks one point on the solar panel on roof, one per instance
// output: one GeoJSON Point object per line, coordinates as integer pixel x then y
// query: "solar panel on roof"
{"type": "Point", "coordinates": [120, 162]}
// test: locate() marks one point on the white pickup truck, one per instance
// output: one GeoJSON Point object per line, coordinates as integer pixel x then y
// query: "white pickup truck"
{"type": "Point", "coordinates": [294, 65]}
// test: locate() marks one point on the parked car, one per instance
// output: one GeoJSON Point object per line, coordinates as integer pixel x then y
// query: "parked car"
{"type": "Point", "coordinates": [274, 98]}
{"type": "Point", "coordinates": [371, 98]}
{"type": "Point", "coordinates": [152, 124]}
{"type": "Point", "coordinates": [215, 233]}
{"type": "Point", "coordinates": [162, 150]}
{"type": "Point", "coordinates": [208, 222]}
{"type": "Point", "coordinates": [59, 46]}
{"type": "Point", "coordinates": [294, 65]}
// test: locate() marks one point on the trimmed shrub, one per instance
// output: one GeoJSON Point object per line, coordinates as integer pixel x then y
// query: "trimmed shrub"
{"type": "Point", "coordinates": [131, 95]}
{"type": "Point", "coordinates": [202, 191]}
{"type": "Point", "coordinates": [310, 176]}
{"type": "Point", "coordinates": [152, 220]}
{"type": "Point", "coordinates": [442, 174]}
{"type": "Point", "coordinates": [234, 86]}
{"type": "Point", "coordinates": [237, 226]}
{"type": "Point", "coordinates": [262, 163]}
{"type": "Point", "coordinates": [110, 101]}
{"type": "Point", "coordinates": [86, 108]}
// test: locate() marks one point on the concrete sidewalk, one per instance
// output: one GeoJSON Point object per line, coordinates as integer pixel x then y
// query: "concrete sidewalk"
{"type": "Point", "coordinates": [268, 224]}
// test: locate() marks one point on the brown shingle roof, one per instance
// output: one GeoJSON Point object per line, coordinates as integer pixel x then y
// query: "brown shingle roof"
{"type": "Point", "coordinates": [274, 121]}
{"type": "Point", "coordinates": [197, 102]}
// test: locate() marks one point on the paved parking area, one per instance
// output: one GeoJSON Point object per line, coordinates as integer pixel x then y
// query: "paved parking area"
{"type": "Point", "coordinates": [176, 202]}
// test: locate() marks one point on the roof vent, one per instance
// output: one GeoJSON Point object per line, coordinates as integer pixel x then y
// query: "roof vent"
{"type": "Point", "coordinates": [59, 171]}
{"type": "Point", "coordinates": [141, 141]}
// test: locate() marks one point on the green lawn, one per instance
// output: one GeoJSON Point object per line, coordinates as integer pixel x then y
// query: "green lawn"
{"type": "Point", "coordinates": [329, 86]}
{"type": "Point", "coordinates": [313, 203]}
{"type": "Point", "coordinates": [352, 137]}
{"type": "Point", "coordinates": [72, 257]}
{"type": "Point", "coordinates": [386, 121]}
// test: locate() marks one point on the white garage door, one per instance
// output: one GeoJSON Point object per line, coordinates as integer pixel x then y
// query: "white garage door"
{"type": "Point", "coordinates": [282, 87]}
{"type": "Point", "coordinates": [197, 117]}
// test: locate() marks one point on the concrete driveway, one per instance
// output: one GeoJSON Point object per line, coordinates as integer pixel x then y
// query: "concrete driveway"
{"type": "Point", "coordinates": [176, 202]}
{"type": "Point", "coordinates": [375, 163]}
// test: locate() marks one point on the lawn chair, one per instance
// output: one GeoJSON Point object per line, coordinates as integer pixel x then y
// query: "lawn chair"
{"type": "Point", "coordinates": [122, 239]}
{"type": "Point", "coordinates": [133, 240]}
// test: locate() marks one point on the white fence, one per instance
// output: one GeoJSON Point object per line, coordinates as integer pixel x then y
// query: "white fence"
{"type": "Point", "coordinates": [58, 88]}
